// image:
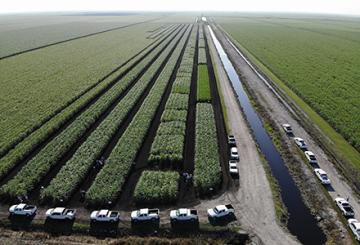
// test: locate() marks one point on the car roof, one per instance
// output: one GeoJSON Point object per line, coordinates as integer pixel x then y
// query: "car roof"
{"type": "Point", "coordinates": [356, 224]}
{"type": "Point", "coordinates": [220, 207]}
{"type": "Point", "coordinates": [103, 212]}
{"type": "Point", "coordinates": [309, 153]}
{"type": "Point", "coordinates": [21, 205]}
{"type": "Point", "coordinates": [340, 199]}
{"type": "Point", "coordinates": [234, 149]}
{"type": "Point", "coordinates": [286, 125]}
{"type": "Point", "coordinates": [232, 164]}
{"type": "Point", "coordinates": [183, 210]}
{"type": "Point", "coordinates": [144, 211]}
{"type": "Point", "coordinates": [320, 171]}
{"type": "Point", "coordinates": [58, 210]}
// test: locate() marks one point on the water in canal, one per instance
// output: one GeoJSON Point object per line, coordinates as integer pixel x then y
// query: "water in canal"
{"type": "Point", "coordinates": [301, 222]}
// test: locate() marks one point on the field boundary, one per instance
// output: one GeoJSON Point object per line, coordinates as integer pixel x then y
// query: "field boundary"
{"type": "Point", "coordinates": [332, 142]}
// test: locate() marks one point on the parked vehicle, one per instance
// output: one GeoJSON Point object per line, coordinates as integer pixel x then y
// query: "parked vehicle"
{"type": "Point", "coordinates": [184, 214]}
{"type": "Point", "coordinates": [105, 215]}
{"type": "Point", "coordinates": [61, 213]}
{"type": "Point", "coordinates": [311, 157]}
{"type": "Point", "coordinates": [234, 155]}
{"type": "Point", "coordinates": [287, 128]}
{"type": "Point", "coordinates": [322, 176]}
{"type": "Point", "coordinates": [233, 169]}
{"type": "Point", "coordinates": [300, 143]}
{"type": "Point", "coordinates": [344, 207]}
{"type": "Point", "coordinates": [145, 214]}
{"type": "Point", "coordinates": [355, 228]}
{"type": "Point", "coordinates": [23, 209]}
{"type": "Point", "coordinates": [231, 140]}
{"type": "Point", "coordinates": [221, 211]}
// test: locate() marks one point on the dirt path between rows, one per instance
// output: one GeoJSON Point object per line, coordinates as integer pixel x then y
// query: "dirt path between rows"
{"type": "Point", "coordinates": [252, 198]}
{"type": "Point", "coordinates": [277, 111]}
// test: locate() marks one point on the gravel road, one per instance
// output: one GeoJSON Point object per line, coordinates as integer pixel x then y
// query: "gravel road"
{"type": "Point", "coordinates": [252, 199]}
{"type": "Point", "coordinates": [278, 113]}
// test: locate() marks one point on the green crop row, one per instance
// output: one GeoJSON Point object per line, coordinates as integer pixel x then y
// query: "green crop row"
{"type": "Point", "coordinates": [202, 56]}
{"type": "Point", "coordinates": [207, 174]}
{"type": "Point", "coordinates": [177, 102]}
{"type": "Point", "coordinates": [28, 145]}
{"type": "Point", "coordinates": [202, 43]}
{"type": "Point", "coordinates": [168, 145]}
{"type": "Point", "coordinates": [109, 182]}
{"type": "Point", "coordinates": [76, 169]}
{"type": "Point", "coordinates": [181, 85]}
{"type": "Point", "coordinates": [167, 149]}
{"type": "Point", "coordinates": [157, 187]}
{"type": "Point", "coordinates": [203, 84]}
{"type": "Point", "coordinates": [174, 115]}
{"type": "Point", "coordinates": [30, 175]}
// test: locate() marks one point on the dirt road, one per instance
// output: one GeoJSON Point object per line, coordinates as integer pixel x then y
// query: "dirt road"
{"type": "Point", "coordinates": [279, 113]}
{"type": "Point", "coordinates": [252, 199]}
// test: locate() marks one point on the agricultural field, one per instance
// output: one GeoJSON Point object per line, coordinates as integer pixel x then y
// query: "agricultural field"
{"type": "Point", "coordinates": [33, 31]}
{"type": "Point", "coordinates": [323, 72]}
{"type": "Point", "coordinates": [58, 75]}
{"type": "Point", "coordinates": [100, 119]}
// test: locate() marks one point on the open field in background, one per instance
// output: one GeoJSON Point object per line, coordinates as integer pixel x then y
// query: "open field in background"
{"type": "Point", "coordinates": [27, 32]}
{"type": "Point", "coordinates": [323, 72]}
{"type": "Point", "coordinates": [56, 74]}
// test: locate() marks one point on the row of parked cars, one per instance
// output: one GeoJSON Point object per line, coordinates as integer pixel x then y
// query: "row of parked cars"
{"type": "Point", "coordinates": [141, 215]}
{"type": "Point", "coordinates": [234, 157]}
{"type": "Point", "coordinates": [343, 204]}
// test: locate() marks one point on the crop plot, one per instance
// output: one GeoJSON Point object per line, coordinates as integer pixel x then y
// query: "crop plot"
{"type": "Point", "coordinates": [119, 131]}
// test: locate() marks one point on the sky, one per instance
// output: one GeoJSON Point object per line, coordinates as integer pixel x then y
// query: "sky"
{"type": "Point", "coordinates": [347, 7]}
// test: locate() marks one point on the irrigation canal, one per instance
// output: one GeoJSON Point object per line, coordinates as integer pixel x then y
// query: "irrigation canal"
{"type": "Point", "coordinates": [301, 222]}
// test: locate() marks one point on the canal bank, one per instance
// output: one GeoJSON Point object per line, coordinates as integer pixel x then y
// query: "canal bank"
{"type": "Point", "coordinates": [301, 223]}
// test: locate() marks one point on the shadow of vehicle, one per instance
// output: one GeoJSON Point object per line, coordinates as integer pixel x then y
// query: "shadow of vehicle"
{"type": "Point", "coordinates": [223, 221]}
{"type": "Point", "coordinates": [20, 222]}
{"type": "Point", "coordinates": [104, 228]}
{"type": "Point", "coordinates": [63, 227]}
{"type": "Point", "coordinates": [185, 226]}
{"type": "Point", "coordinates": [329, 188]}
{"type": "Point", "coordinates": [145, 227]}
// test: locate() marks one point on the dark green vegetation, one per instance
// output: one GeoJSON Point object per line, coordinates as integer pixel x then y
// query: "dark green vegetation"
{"type": "Point", "coordinates": [157, 187]}
{"type": "Point", "coordinates": [323, 72]}
{"type": "Point", "coordinates": [206, 151]}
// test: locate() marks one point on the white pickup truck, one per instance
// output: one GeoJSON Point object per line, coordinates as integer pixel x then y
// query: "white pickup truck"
{"type": "Point", "coordinates": [221, 211]}
{"type": "Point", "coordinates": [145, 214]}
{"type": "Point", "coordinates": [61, 213]}
{"type": "Point", "coordinates": [22, 209]}
{"type": "Point", "coordinates": [105, 215]}
{"type": "Point", "coordinates": [184, 214]}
